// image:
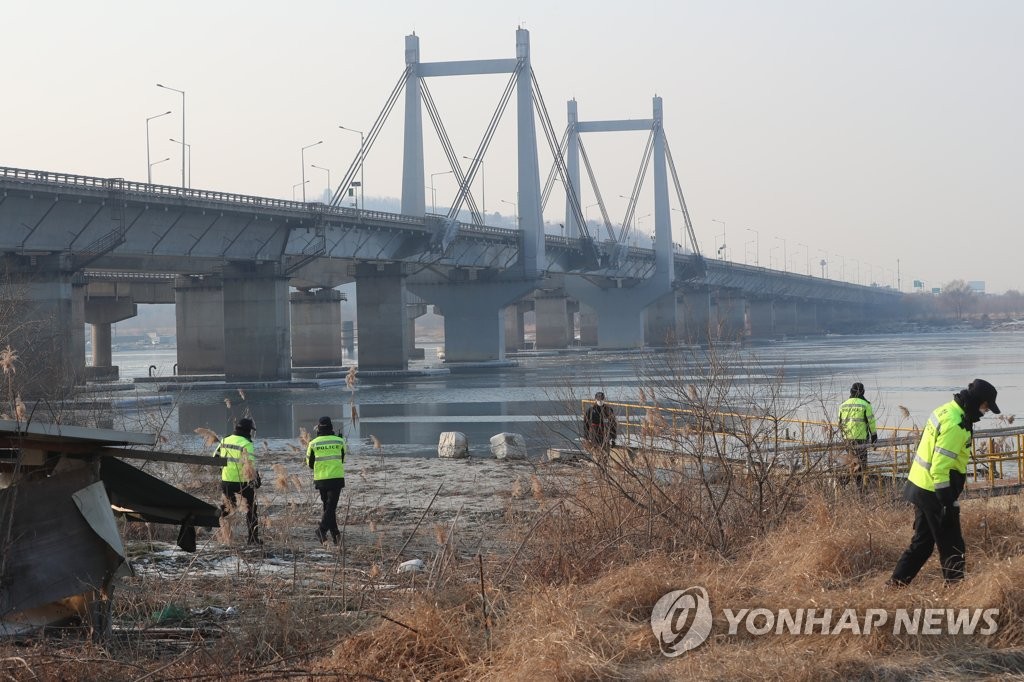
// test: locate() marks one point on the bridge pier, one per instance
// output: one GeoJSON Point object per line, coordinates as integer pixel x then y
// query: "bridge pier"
{"type": "Point", "coordinates": [256, 331]}
{"type": "Point", "coordinates": [620, 312]}
{"type": "Point", "coordinates": [38, 315]}
{"type": "Point", "coordinates": [588, 326]}
{"type": "Point", "coordinates": [474, 324]}
{"type": "Point", "coordinates": [101, 313]}
{"type": "Point", "coordinates": [731, 311]}
{"type": "Point", "coordinates": [662, 321]}
{"type": "Point", "coordinates": [807, 318]}
{"type": "Point", "coordinates": [316, 328]}
{"type": "Point", "coordinates": [696, 314]}
{"type": "Point", "coordinates": [554, 320]}
{"type": "Point", "coordinates": [514, 327]}
{"type": "Point", "coordinates": [412, 312]}
{"type": "Point", "coordinates": [762, 319]}
{"type": "Point", "coordinates": [199, 324]}
{"type": "Point", "coordinates": [381, 313]}
{"type": "Point", "coordinates": [784, 321]}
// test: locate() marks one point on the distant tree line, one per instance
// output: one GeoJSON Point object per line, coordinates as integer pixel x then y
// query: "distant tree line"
{"type": "Point", "coordinates": [958, 301]}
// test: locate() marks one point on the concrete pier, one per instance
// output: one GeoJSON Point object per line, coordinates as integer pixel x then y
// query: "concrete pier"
{"type": "Point", "coordinates": [101, 313]}
{"type": "Point", "coordinates": [199, 324]}
{"type": "Point", "coordinates": [316, 328]}
{"type": "Point", "coordinates": [514, 328]}
{"type": "Point", "coordinates": [256, 323]}
{"type": "Point", "coordinates": [380, 311]}
{"type": "Point", "coordinates": [554, 321]}
{"type": "Point", "coordinates": [696, 315]}
{"type": "Point", "coordinates": [732, 316]}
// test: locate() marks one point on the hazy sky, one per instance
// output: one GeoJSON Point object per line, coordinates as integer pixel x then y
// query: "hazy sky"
{"type": "Point", "coordinates": [858, 132]}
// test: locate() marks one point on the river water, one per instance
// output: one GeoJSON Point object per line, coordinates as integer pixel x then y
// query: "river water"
{"type": "Point", "coordinates": [407, 414]}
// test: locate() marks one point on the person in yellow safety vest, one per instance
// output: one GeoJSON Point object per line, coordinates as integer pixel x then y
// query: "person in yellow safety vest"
{"type": "Point", "coordinates": [857, 424]}
{"type": "Point", "coordinates": [936, 479]}
{"type": "Point", "coordinates": [325, 455]}
{"type": "Point", "coordinates": [238, 475]}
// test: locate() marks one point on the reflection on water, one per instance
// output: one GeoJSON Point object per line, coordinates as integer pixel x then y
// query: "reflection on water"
{"type": "Point", "coordinates": [914, 371]}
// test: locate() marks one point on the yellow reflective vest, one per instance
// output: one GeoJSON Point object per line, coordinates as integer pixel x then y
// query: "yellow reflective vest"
{"type": "Point", "coordinates": [326, 455]}
{"type": "Point", "coordinates": [237, 450]}
{"type": "Point", "coordinates": [857, 419]}
{"type": "Point", "coordinates": [945, 446]}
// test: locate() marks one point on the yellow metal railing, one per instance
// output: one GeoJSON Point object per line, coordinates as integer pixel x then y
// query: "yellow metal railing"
{"type": "Point", "coordinates": [998, 453]}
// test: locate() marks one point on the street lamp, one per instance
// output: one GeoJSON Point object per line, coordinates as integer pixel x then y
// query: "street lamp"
{"type": "Point", "coordinates": [771, 257]}
{"type": "Point", "coordinates": [182, 93]}
{"type": "Point", "coordinates": [757, 246]}
{"type": "Point", "coordinates": [296, 186]}
{"type": "Point", "coordinates": [189, 157]}
{"type": "Point", "coordinates": [722, 251]}
{"type": "Point", "coordinates": [302, 154]}
{"type": "Point", "coordinates": [327, 170]}
{"type": "Point", "coordinates": [858, 269]}
{"type": "Point", "coordinates": [586, 211]}
{"type": "Point", "coordinates": [637, 222]}
{"type": "Point", "coordinates": [433, 192]}
{"type": "Point", "coordinates": [785, 256]}
{"type": "Point", "coordinates": [149, 177]}
{"type": "Point", "coordinates": [483, 185]}
{"type": "Point", "coordinates": [166, 158]}
{"type": "Point", "coordinates": [824, 261]}
{"type": "Point", "coordinates": [515, 210]}
{"type": "Point", "coordinates": [362, 192]}
{"type": "Point", "coordinates": [807, 256]}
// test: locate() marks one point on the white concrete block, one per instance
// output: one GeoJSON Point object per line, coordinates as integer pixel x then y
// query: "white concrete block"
{"type": "Point", "coordinates": [453, 445]}
{"type": "Point", "coordinates": [508, 446]}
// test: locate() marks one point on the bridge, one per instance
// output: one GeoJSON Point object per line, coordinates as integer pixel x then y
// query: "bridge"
{"type": "Point", "coordinates": [254, 278]}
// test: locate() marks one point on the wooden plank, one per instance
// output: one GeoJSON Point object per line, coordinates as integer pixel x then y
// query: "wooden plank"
{"type": "Point", "coordinates": [155, 456]}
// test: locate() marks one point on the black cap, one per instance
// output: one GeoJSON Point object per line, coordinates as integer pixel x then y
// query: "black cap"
{"type": "Point", "coordinates": [983, 392]}
{"type": "Point", "coordinates": [245, 424]}
{"type": "Point", "coordinates": [325, 421]}
{"type": "Point", "coordinates": [599, 395]}
{"type": "Point", "coordinates": [857, 390]}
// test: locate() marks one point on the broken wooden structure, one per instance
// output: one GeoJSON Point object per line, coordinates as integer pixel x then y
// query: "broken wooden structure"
{"type": "Point", "coordinates": [60, 489]}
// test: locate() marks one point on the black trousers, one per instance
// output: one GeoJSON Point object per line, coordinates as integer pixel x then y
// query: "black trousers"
{"type": "Point", "coordinates": [933, 527]}
{"type": "Point", "coordinates": [330, 493]}
{"type": "Point", "coordinates": [248, 493]}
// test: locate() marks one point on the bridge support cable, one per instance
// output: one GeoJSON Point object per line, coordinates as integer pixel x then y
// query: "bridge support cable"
{"type": "Point", "coordinates": [634, 197]}
{"type": "Point", "coordinates": [477, 159]}
{"type": "Point", "coordinates": [371, 136]}
{"type": "Point", "coordinates": [570, 193]}
{"type": "Point", "coordinates": [682, 200]}
{"type": "Point", "coordinates": [446, 144]}
{"type": "Point", "coordinates": [597, 192]}
{"type": "Point", "coordinates": [549, 183]}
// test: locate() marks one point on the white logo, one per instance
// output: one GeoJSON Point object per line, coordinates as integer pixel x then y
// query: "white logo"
{"type": "Point", "coordinates": [681, 620]}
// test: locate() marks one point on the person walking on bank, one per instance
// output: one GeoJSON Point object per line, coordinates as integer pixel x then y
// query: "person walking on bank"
{"type": "Point", "coordinates": [599, 427]}
{"type": "Point", "coordinates": [936, 479]}
{"type": "Point", "coordinates": [238, 475]}
{"type": "Point", "coordinates": [326, 457]}
{"type": "Point", "coordinates": [857, 424]}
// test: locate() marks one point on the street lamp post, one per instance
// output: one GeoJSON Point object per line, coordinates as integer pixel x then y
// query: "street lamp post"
{"type": "Point", "coordinates": [757, 246]}
{"type": "Point", "coordinates": [824, 261]}
{"type": "Point", "coordinates": [785, 256]}
{"type": "Point", "coordinates": [296, 186]}
{"type": "Point", "coordinates": [362, 160]}
{"type": "Point", "coordinates": [166, 158]}
{"type": "Point", "coordinates": [515, 210]}
{"type": "Point", "coordinates": [637, 222]}
{"type": "Point", "coordinates": [722, 251]}
{"type": "Point", "coordinates": [771, 257]}
{"type": "Point", "coordinates": [483, 185]}
{"type": "Point", "coordinates": [302, 155]}
{"type": "Point", "coordinates": [182, 93]}
{"type": "Point", "coordinates": [326, 170]}
{"type": "Point", "coordinates": [189, 158]}
{"type": "Point", "coordinates": [433, 192]}
{"type": "Point", "coordinates": [807, 257]}
{"type": "Point", "coordinates": [149, 175]}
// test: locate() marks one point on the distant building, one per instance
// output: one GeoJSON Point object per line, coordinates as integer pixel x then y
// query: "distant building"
{"type": "Point", "coordinates": [977, 286]}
